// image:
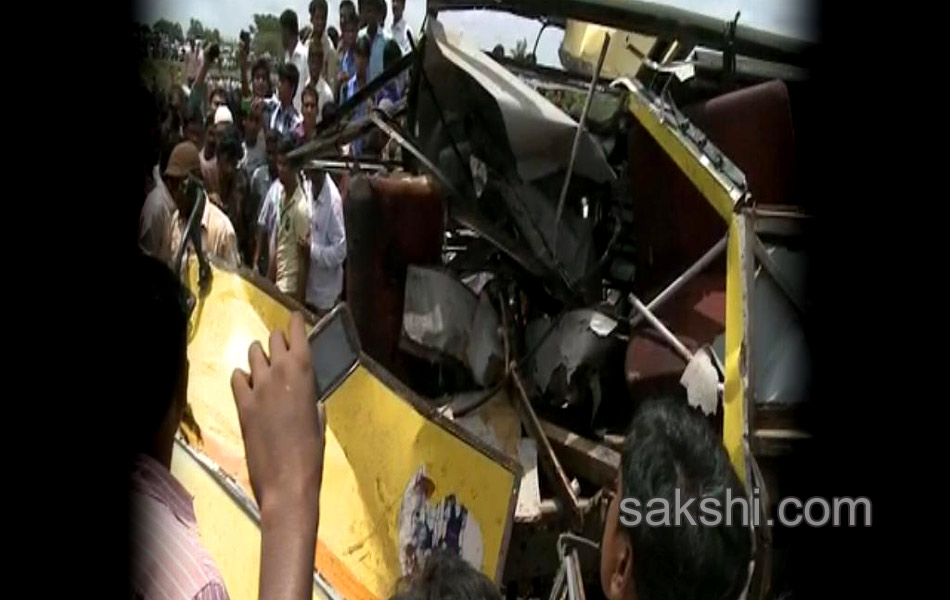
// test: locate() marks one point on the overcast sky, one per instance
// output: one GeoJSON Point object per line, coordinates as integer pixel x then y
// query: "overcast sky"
{"type": "Point", "coordinates": [485, 28]}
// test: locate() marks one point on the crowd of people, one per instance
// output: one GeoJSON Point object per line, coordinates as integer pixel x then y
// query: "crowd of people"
{"type": "Point", "coordinates": [264, 213]}
{"type": "Point", "coordinates": [232, 145]}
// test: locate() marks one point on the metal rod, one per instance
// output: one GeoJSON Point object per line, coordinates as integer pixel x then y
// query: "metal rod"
{"type": "Point", "coordinates": [558, 582]}
{"type": "Point", "coordinates": [572, 585]}
{"type": "Point", "coordinates": [549, 462]}
{"type": "Point", "coordinates": [666, 333]}
{"type": "Point", "coordinates": [683, 279]}
{"type": "Point", "coordinates": [578, 577]}
{"type": "Point", "coordinates": [577, 137]}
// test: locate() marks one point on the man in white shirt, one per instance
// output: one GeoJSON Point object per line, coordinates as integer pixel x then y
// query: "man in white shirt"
{"type": "Point", "coordinates": [317, 80]}
{"type": "Point", "coordinates": [156, 219]}
{"type": "Point", "coordinates": [294, 51]}
{"type": "Point", "coordinates": [255, 149]}
{"type": "Point", "coordinates": [327, 245]}
{"type": "Point", "coordinates": [318, 20]}
{"type": "Point", "coordinates": [399, 27]}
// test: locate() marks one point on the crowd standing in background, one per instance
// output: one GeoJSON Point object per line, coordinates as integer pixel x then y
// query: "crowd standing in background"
{"type": "Point", "coordinates": [230, 140]}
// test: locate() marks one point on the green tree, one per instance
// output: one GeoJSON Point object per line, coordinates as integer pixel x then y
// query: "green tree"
{"type": "Point", "coordinates": [196, 30]}
{"type": "Point", "coordinates": [265, 35]}
{"type": "Point", "coordinates": [171, 30]}
{"type": "Point", "coordinates": [520, 51]}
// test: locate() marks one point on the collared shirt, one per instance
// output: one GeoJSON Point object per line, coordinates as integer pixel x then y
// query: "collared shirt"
{"type": "Point", "coordinates": [291, 226]}
{"type": "Point", "coordinates": [398, 33]}
{"type": "Point", "coordinates": [286, 120]}
{"type": "Point", "coordinates": [255, 155]}
{"type": "Point", "coordinates": [376, 51]}
{"type": "Point", "coordinates": [170, 562]}
{"type": "Point", "coordinates": [324, 95]}
{"type": "Point", "coordinates": [217, 234]}
{"type": "Point", "coordinates": [331, 60]}
{"type": "Point", "coordinates": [327, 245]}
{"type": "Point", "coordinates": [348, 62]}
{"type": "Point", "coordinates": [156, 219]}
{"type": "Point", "coordinates": [271, 106]}
{"type": "Point", "coordinates": [299, 59]}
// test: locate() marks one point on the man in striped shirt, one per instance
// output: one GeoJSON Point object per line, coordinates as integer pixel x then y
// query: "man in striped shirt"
{"type": "Point", "coordinates": [283, 432]}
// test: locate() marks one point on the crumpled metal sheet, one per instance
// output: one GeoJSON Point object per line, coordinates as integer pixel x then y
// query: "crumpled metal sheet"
{"type": "Point", "coordinates": [576, 340]}
{"type": "Point", "coordinates": [538, 133]}
{"type": "Point", "coordinates": [438, 311]}
{"type": "Point", "coordinates": [783, 369]}
{"type": "Point", "coordinates": [441, 314]}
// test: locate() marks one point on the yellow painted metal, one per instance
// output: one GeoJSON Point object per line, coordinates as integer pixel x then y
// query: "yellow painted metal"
{"type": "Point", "coordinates": [733, 425]}
{"type": "Point", "coordinates": [582, 42]}
{"type": "Point", "coordinates": [366, 483]}
{"type": "Point", "coordinates": [375, 442]}
{"type": "Point", "coordinates": [228, 532]}
{"type": "Point", "coordinates": [709, 185]}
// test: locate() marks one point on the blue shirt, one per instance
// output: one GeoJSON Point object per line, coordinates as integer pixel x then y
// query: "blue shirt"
{"type": "Point", "coordinates": [347, 92]}
{"type": "Point", "coordinates": [377, 48]}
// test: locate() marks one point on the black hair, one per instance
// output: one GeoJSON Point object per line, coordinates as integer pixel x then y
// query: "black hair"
{"type": "Point", "coordinates": [193, 116]}
{"type": "Point", "coordinates": [334, 35]}
{"type": "Point", "coordinates": [315, 4]}
{"type": "Point", "coordinates": [671, 447]}
{"type": "Point", "coordinates": [329, 111]}
{"type": "Point", "coordinates": [271, 136]}
{"type": "Point", "coordinates": [391, 53]}
{"type": "Point", "coordinates": [159, 345]}
{"type": "Point", "coordinates": [219, 91]}
{"type": "Point", "coordinates": [209, 120]}
{"type": "Point", "coordinates": [229, 144]}
{"type": "Point", "coordinates": [288, 72]}
{"type": "Point", "coordinates": [286, 144]}
{"type": "Point", "coordinates": [362, 46]}
{"type": "Point", "coordinates": [288, 22]}
{"type": "Point", "coordinates": [311, 90]}
{"type": "Point", "coordinates": [446, 576]}
{"type": "Point", "coordinates": [348, 3]}
{"type": "Point", "coordinates": [261, 64]}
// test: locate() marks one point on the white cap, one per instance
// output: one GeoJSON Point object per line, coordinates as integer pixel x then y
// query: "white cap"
{"type": "Point", "coordinates": [223, 115]}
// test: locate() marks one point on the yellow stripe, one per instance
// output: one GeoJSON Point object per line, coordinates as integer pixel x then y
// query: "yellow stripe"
{"type": "Point", "coordinates": [733, 425]}
{"type": "Point", "coordinates": [707, 183]}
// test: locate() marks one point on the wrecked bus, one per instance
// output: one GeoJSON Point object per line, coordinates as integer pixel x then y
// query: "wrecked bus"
{"type": "Point", "coordinates": [522, 272]}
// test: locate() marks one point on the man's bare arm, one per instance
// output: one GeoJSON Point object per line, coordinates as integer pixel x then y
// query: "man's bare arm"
{"type": "Point", "coordinates": [284, 431]}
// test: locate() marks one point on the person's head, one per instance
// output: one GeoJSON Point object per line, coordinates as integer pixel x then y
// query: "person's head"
{"type": "Point", "coordinates": [498, 51]}
{"type": "Point", "coordinates": [391, 53]}
{"type": "Point", "coordinates": [309, 101]}
{"type": "Point", "coordinates": [287, 80]}
{"type": "Point", "coordinates": [285, 170]}
{"type": "Point", "coordinates": [252, 126]}
{"type": "Point", "coordinates": [159, 352]}
{"type": "Point", "coordinates": [671, 447]}
{"type": "Point", "coordinates": [350, 28]}
{"type": "Point", "coordinates": [219, 97]}
{"type": "Point", "coordinates": [260, 75]}
{"type": "Point", "coordinates": [446, 576]}
{"type": "Point", "coordinates": [315, 61]}
{"type": "Point", "coordinates": [270, 145]}
{"type": "Point", "coordinates": [229, 152]}
{"type": "Point", "coordinates": [223, 119]}
{"type": "Point", "coordinates": [289, 30]}
{"type": "Point", "coordinates": [399, 6]}
{"type": "Point", "coordinates": [347, 11]}
{"type": "Point", "coordinates": [318, 17]}
{"type": "Point", "coordinates": [371, 12]}
{"type": "Point", "coordinates": [361, 54]}
{"type": "Point", "coordinates": [329, 111]}
{"type": "Point", "coordinates": [182, 164]}
{"type": "Point", "coordinates": [194, 128]}
{"type": "Point", "coordinates": [334, 36]}
{"type": "Point", "coordinates": [211, 138]}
